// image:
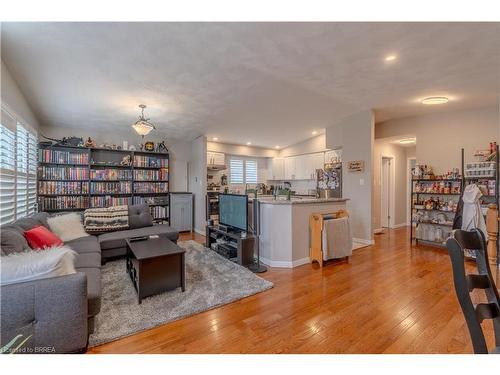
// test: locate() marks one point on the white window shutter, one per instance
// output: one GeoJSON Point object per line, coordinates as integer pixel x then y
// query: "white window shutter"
{"type": "Point", "coordinates": [251, 171]}
{"type": "Point", "coordinates": [236, 171]}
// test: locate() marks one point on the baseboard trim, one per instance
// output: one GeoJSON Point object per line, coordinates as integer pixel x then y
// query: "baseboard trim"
{"type": "Point", "coordinates": [363, 241]}
{"type": "Point", "coordinates": [200, 232]}
{"type": "Point", "coordinates": [399, 225]}
{"type": "Point", "coordinates": [284, 264]}
{"type": "Point", "coordinates": [378, 230]}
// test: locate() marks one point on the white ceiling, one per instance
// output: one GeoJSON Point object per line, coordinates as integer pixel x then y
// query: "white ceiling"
{"type": "Point", "coordinates": [268, 83]}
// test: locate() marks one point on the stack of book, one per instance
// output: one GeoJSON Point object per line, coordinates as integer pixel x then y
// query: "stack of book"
{"type": "Point", "coordinates": [109, 201]}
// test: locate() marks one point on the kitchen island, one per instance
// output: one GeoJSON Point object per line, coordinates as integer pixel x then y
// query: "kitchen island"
{"type": "Point", "coordinates": [284, 234]}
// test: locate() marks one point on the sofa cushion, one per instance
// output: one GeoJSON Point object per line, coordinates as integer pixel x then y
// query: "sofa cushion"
{"type": "Point", "coordinates": [139, 216]}
{"type": "Point", "coordinates": [117, 239]}
{"type": "Point", "coordinates": [88, 260]}
{"type": "Point", "coordinates": [27, 223]}
{"type": "Point", "coordinates": [93, 288]}
{"type": "Point", "coordinates": [40, 238]}
{"type": "Point", "coordinates": [41, 217]}
{"type": "Point", "coordinates": [85, 245]}
{"type": "Point", "coordinates": [12, 240]}
{"type": "Point", "coordinates": [68, 226]}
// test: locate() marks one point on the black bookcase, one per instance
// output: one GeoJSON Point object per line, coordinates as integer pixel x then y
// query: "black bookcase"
{"type": "Point", "coordinates": [77, 178]}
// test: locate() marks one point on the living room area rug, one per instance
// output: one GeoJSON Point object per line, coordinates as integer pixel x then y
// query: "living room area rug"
{"type": "Point", "coordinates": [211, 281]}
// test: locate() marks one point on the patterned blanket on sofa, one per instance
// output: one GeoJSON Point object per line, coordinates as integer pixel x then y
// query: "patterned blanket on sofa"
{"type": "Point", "coordinates": [99, 220]}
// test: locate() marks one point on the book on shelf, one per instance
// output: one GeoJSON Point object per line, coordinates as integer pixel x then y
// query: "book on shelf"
{"type": "Point", "coordinates": [63, 187]}
{"type": "Point", "coordinates": [115, 187]}
{"type": "Point", "coordinates": [151, 187]}
{"type": "Point", "coordinates": [62, 157]}
{"type": "Point", "coordinates": [148, 175]}
{"type": "Point", "coordinates": [109, 201]}
{"type": "Point", "coordinates": [150, 161]}
{"type": "Point", "coordinates": [62, 173]}
{"type": "Point", "coordinates": [63, 203]}
{"type": "Point", "coordinates": [110, 174]}
{"type": "Point", "coordinates": [159, 212]}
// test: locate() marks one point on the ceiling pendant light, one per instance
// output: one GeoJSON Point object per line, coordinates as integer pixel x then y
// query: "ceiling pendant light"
{"type": "Point", "coordinates": [143, 126]}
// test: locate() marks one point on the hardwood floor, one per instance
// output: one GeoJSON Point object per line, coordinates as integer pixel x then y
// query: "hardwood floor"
{"type": "Point", "coordinates": [389, 298]}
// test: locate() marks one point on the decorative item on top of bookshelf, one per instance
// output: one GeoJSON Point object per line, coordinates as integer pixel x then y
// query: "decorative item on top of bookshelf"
{"type": "Point", "coordinates": [90, 143]}
{"type": "Point", "coordinates": [161, 147]}
{"type": "Point", "coordinates": [149, 146]}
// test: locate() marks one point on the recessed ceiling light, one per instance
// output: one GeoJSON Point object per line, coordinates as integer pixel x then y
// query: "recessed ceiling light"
{"type": "Point", "coordinates": [314, 132]}
{"type": "Point", "coordinates": [407, 141]}
{"type": "Point", "coordinates": [390, 58]}
{"type": "Point", "coordinates": [433, 100]}
{"type": "Point", "coordinates": [249, 143]}
{"type": "Point", "coordinates": [276, 146]}
{"type": "Point", "coordinates": [215, 139]}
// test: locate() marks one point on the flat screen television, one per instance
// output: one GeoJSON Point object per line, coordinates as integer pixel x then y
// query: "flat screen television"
{"type": "Point", "coordinates": [233, 211]}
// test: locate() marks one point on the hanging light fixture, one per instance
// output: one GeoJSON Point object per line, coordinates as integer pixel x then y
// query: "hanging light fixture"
{"type": "Point", "coordinates": [143, 126]}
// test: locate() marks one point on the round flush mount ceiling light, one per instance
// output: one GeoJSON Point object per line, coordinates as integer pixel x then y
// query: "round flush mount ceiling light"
{"type": "Point", "coordinates": [277, 146]}
{"type": "Point", "coordinates": [215, 139]}
{"type": "Point", "coordinates": [433, 100]}
{"type": "Point", "coordinates": [390, 58]}
{"type": "Point", "coordinates": [314, 132]}
{"type": "Point", "coordinates": [407, 141]}
{"type": "Point", "coordinates": [249, 143]}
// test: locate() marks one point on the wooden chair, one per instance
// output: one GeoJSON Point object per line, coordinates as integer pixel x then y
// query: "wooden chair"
{"type": "Point", "coordinates": [466, 283]}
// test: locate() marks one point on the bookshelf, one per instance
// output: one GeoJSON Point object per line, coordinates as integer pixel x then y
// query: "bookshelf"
{"type": "Point", "coordinates": [76, 178]}
{"type": "Point", "coordinates": [433, 206]}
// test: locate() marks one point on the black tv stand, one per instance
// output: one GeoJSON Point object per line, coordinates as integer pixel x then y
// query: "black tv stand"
{"type": "Point", "coordinates": [242, 242]}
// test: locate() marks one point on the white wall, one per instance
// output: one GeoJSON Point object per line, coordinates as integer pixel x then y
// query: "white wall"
{"type": "Point", "coordinates": [311, 145]}
{"type": "Point", "coordinates": [197, 172]}
{"type": "Point", "coordinates": [355, 135]}
{"type": "Point", "coordinates": [241, 150]}
{"type": "Point", "coordinates": [14, 101]}
{"type": "Point", "coordinates": [383, 147]}
{"type": "Point", "coordinates": [440, 136]}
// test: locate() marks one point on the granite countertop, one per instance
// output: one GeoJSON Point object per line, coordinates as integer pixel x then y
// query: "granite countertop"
{"type": "Point", "coordinates": [267, 200]}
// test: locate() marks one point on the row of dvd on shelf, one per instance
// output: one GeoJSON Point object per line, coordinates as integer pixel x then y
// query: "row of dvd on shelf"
{"type": "Point", "coordinates": [62, 157]}
{"type": "Point", "coordinates": [80, 173]}
{"type": "Point", "coordinates": [115, 187]}
{"type": "Point", "coordinates": [84, 202]}
{"type": "Point", "coordinates": [63, 173]}
{"type": "Point", "coordinates": [150, 161]}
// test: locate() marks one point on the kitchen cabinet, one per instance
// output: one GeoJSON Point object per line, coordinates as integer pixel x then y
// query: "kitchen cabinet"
{"type": "Point", "coordinates": [181, 211]}
{"type": "Point", "coordinates": [215, 158]}
{"type": "Point", "coordinates": [290, 163]}
{"type": "Point", "coordinates": [276, 169]}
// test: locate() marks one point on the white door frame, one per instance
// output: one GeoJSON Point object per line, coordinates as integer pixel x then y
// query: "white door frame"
{"type": "Point", "coordinates": [391, 222]}
{"type": "Point", "coordinates": [408, 189]}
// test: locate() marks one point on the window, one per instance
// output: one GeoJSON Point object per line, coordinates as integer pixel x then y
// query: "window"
{"type": "Point", "coordinates": [243, 171]}
{"type": "Point", "coordinates": [251, 171]}
{"type": "Point", "coordinates": [18, 159]}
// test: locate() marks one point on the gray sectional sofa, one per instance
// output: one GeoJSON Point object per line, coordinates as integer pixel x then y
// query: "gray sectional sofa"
{"type": "Point", "coordinates": [59, 312]}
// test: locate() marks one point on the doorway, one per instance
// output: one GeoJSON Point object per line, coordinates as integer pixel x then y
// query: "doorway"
{"type": "Point", "coordinates": [410, 165]}
{"type": "Point", "coordinates": [387, 192]}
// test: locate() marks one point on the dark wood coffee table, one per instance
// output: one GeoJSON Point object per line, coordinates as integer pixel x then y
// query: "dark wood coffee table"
{"type": "Point", "coordinates": [155, 265]}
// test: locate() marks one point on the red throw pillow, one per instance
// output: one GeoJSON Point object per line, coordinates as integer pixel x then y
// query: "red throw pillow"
{"type": "Point", "coordinates": [40, 237]}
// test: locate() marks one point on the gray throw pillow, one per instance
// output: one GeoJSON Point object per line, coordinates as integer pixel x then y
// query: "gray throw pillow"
{"type": "Point", "coordinates": [12, 241]}
{"type": "Point", "coordinates": [27, 223]}
{"type": "Point", "coordinates": [139, 216]}
{"type": "Point", "coordinates": [41, 217]}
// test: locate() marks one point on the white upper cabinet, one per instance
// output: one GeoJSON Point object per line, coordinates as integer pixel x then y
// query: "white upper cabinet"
{"type": "Point", "coordinates": [302, 167]}
{"type": "Point", "coordinates": [277, 169]}
{"type": "Point", "coordinates": [290, 172]}
{"type": "Point", "coordinates": [216, 158]}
